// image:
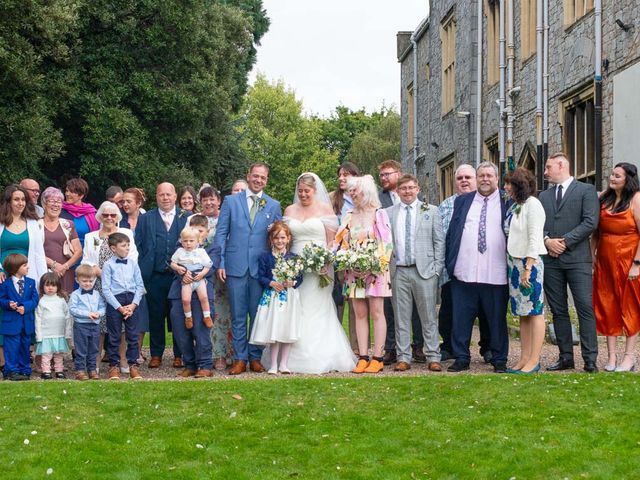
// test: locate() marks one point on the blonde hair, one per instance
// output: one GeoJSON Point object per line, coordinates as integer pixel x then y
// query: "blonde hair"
{"type": "Point", "coordinates": [189, 232]}
{"type": "Point", "coordinates": [367, 186]}
{"type": "Point", "coordinates": [85, 271]}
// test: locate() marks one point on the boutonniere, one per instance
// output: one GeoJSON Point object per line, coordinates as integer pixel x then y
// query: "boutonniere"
{"type": "Point", "coordinates": [425, 207]}
{"type": "Point", "coordinates": [96, 242]}
{"type": "Point", "coordinates": [517, 208]}
{"type": "Point", "coordinates": [504, 196]}
{"type": "Point", "coordinates": [182, 213]}
{"type": "Point", "coordinates": [262, 203]}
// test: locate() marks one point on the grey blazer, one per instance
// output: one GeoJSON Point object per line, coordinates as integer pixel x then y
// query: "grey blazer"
{"type": "Point", "coordinates": [575, 220]}
{"type": "Point", "coordinates": [429, 240]}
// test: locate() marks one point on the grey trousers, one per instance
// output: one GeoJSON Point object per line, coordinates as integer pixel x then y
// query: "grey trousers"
{"type": "Point", "coordinates": [408, 286]}
{"type": "Point", "coordinates": [579, 280]}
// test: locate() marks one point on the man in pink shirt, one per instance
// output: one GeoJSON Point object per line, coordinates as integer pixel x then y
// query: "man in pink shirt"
{"type": "Point", "coordinates": [476, 260]}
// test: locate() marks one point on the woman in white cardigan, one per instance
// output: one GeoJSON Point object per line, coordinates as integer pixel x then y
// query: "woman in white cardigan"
{"type": "Point", "coordinates": [96, 252]}
{"type": "Point", "coordinates": [525, 227]}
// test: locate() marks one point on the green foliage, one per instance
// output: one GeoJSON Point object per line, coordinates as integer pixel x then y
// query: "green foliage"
{"type": "Point", "coordinates": [124, 91]}
{"type": "Point", "coordinates": [379, 143]}
{"type": "Point", "coordinates": [431, 426]}
{"type": "Point", "coordinates": [273, 130]}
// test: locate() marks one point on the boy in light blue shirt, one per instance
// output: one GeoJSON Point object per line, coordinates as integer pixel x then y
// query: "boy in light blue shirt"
{"type": "Point", "coordinates": [86, 306]}
{"type": "Point", "coordinates": [122, 287]}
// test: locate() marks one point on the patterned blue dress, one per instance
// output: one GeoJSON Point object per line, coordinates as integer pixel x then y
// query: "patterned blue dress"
{"type": "Point", "coordinates": [525, 301]}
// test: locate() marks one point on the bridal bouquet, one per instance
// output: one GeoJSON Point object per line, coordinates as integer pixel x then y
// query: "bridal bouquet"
{"type": "Point", "coordinates": [315, 258]}
{"type": "Point", "coordinates": [288, 269]}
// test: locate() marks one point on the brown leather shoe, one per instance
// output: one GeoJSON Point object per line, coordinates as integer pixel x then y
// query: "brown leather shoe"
{"type": "Point", "coordinates": [134, 373]}
{"type": "Point", "coordinates": [155, 362]}
{"type": "Point", "coordinates": [220, 364]}
{"type": "Point", "coordinates": [238, 367]}
{"type": "Point", "coordinates": [207, 322]}
{"type": "Point", "coordinates": [435, 366]}
{"type": "Point", "coordinates": [203, 373]}
{"type": "Point", "coordinates": [177, 363]}
{"type": "Point", "coordinates": [256, 366]}
{"type": "Point", "coordinates": [114, 373]}
{"type": "Point", "coordinates": [93, 375]}
{"type": "Point", "coordinates": [186, 373]}
{"type": "Point", "coordinates": [418, 355]}
{"type": "Point", "coordinates": [389, 357]}
{"type": "Point", "coordinates": [81, 376]}
{"type": "Point", "coordinates": [402, 367]}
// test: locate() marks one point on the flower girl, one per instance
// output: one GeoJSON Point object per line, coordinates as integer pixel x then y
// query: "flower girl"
{"type": "Point", "coordinates": [277, 321]}
{"type": "Point", "coordinates": [54, 325]}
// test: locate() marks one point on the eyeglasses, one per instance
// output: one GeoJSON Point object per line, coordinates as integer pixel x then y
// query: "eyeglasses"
{"type": "Point", "coordinates": [33, 190]}
{"type": "Point", "coordinates": [407, 188]}
{"type": "Point", "coordinates": [387, 174]}
{"type": "Point", "coordinates": [110, 215]}
{"type": "Point", "coordinates": [53, 202]}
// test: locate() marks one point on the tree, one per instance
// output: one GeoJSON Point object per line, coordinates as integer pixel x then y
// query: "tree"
{"type": "Point", "coordinates": [273, 130]}
{"type": "Point", "coordinates": [125, 91]}
{"type": "Point", "coordinates": [379, 143]}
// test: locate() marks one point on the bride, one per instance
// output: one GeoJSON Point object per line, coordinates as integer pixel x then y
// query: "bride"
{"type": "Point", "coordinates": [322, 345]}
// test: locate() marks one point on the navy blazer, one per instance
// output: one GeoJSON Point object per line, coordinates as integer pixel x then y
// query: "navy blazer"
{"type": "Point", "coordinates": [461, 207]}
{"type": "Point", "coordinates": [146, 238]}
{"type": "Point", "coordinates": [266, 264]}
{"type": "Point", "coordinates": [12, 322]}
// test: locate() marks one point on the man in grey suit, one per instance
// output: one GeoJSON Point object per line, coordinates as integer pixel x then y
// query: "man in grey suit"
{"type": "Point", "coordinates": [572, 211]}
{"type": "Point", "coordinates": [416, 264]}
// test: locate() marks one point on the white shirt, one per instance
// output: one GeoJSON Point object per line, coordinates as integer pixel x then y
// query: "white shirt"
{"type": "Point", "coordinates": [250, 196]}
{"type": "Point", "coordinates": [400, 233]}
{"type": "Point", "coordinates": [167, 217]}
{"type": "Point", "coordinates": [394, 197]}
{"type": "Point", "coordinates": [15, 283]}
{"type": "Point", "coordinates": [565, 185]}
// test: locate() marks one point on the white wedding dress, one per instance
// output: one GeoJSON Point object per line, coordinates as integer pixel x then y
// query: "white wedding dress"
{"type": "Point", "coordinates": [322, 346]}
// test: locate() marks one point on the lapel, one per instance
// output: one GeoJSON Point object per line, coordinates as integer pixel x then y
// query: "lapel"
{"type": "Point", "coordinates": [572, 186]}
{"type": "Point", "coordinates": [243, 205]}
{"type": "Point", "coordinates": [392, 218]}
{"type": "Point", "coordinates": [176, 219]}
{"type": "Point", "coordinates": [13, 293]}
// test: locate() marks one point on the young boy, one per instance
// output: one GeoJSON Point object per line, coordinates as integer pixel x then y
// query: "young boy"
{"type": "Point", "coordinates": [193, 259]}
{"type": "Point", "coordinates": [18, 299]}
{"type": "Point", "coordinates": [122, 288]}
{"type": "Point", "coordinates": [86, 306]}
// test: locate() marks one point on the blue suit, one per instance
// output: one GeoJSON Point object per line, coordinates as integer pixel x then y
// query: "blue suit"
{"type": "Point", "coordinates": [195, 344]}
{"type": "Point", "coordinates": [471, 300]}
{"type": "Point", "coordinates": [17, 329]}
{"type": "Point", "coordinates": [237, 247]}
{"type": "Point", "coordinates": [155, 246]}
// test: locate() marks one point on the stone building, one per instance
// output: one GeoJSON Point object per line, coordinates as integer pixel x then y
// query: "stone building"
{"type": "Point", "coordinates": [443, 89]}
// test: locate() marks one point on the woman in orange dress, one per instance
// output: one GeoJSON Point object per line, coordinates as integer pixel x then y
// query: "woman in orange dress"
{"type": "Point", "coordinates": [616, 250]}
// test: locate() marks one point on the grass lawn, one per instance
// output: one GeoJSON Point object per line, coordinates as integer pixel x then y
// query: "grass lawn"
{"type": "Point", "coordinates": [435, 426]}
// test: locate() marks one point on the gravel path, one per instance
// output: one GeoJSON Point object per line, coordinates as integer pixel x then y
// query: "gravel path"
{"type": "Point", "coordinates": [549, 356]}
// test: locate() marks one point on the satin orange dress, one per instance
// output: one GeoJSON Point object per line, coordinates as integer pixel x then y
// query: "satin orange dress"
{"type": "Point", "coordinates": [616, 299]}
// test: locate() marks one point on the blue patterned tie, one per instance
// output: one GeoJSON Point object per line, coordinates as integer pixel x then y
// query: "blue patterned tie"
{"type": "Point", "coordinates": [482, 229]}
{"type": "Point", "coordinates": [21, 287]}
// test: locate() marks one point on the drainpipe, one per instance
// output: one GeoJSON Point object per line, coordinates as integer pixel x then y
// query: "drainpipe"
{"type": "Point", "coordinates": [416, 142]}
{"type": "Point", "coordinates": [539, 105]}
{"type": "Point", "coordinates": [597, 104]}
{"type": "Point", "coordinates": [479, 87]}
{"type": "Point", "coordinates": [501, 132]}
{"type": "Point", "coordinates": [545, 81]}
{"type": "Point", "coordinates": [510, 93]}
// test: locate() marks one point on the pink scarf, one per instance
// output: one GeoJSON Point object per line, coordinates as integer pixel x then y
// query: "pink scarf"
{"type": "Point", "coordinates": [84, 209]}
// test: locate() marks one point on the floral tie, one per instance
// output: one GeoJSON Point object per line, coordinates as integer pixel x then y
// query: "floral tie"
{"type": "Point", "coordinates": [21, 287]}
{"type": "Point", "coordinates": [482, 229]}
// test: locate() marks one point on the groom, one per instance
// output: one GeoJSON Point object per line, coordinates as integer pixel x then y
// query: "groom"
{"type": "Point", "coordinates": [241, 237]}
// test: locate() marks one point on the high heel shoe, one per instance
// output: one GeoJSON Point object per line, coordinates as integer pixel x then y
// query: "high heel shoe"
{"type": "Point", "coordinates": [513, 370]}
{"type": "Point", "coordinates": [632, 368]}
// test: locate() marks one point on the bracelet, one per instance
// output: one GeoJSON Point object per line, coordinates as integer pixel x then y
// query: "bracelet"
{"type": "Point", "coordinates": [53, 265]}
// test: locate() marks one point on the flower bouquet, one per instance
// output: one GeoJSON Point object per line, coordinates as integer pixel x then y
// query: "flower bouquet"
{"type": "Point", "coordinates": [315, 258]}
{"type": "Point", "coordinates": [287, 269]}
{"type": "Point", "coordinates": [363, 260]}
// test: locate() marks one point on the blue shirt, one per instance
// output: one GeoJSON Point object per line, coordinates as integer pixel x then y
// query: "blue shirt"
{"type": "Point", "coordinates": [82, 304]}
{"type": "Point", "coordinates": [119, 278]}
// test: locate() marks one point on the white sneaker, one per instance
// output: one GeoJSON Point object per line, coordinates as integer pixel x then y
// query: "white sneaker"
{"type": "Point", "coordinates": [125, 370]}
